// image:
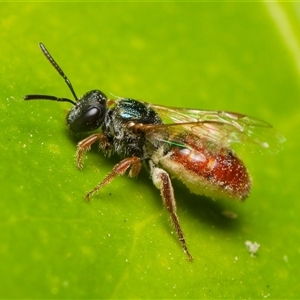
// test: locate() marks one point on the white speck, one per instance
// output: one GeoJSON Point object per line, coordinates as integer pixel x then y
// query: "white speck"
{"type": "Point", "coordinates": [285, 258]}
{"type": "Point", "coordinates": [265, 145]}
{"type": "Point", "coordinates": [252, 247]}
{"type": "Point", "coordinates": [108, 234]}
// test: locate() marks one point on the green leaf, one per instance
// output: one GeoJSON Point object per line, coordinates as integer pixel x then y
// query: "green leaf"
{"type": "Point", "coordinates": [240, 57]}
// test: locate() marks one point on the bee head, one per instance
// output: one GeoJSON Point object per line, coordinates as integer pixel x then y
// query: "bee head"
{"type": "Point", "coordinates": [88, 113]}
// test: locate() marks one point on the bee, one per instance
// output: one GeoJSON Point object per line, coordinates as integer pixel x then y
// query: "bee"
{"type": "Point", "coordinates": [192, 145]}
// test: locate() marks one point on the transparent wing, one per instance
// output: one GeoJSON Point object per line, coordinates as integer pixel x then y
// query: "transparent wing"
{"type": "Point", "coordinates": [220, 127]}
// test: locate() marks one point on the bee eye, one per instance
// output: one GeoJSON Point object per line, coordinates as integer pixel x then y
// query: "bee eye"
{"type": "Point", "coordinates": [89, 120]}
{"type": "Point", "coordinates": [88, 113]}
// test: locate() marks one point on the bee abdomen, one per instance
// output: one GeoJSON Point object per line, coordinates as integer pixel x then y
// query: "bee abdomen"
{"type": "Point", "coordinates": [217, 174]}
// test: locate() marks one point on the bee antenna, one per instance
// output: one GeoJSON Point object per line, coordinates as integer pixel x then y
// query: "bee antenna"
{"type": "Point", "coordinates": [58, 69]}
{"type": "Point", "coordinates": [47, 97]}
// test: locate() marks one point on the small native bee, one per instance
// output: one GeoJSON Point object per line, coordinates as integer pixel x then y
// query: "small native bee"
{"type": "Point", "coordinates": [192, 145]}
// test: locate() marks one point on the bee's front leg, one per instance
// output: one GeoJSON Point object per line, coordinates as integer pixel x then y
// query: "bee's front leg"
{"type": "Point", "coordinates": [85, 145]}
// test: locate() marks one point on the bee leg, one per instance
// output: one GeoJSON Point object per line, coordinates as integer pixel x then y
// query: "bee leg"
{"type": "Point", "coordinates": [162, 181]}
{"type": "Point", "coordinates": [85, 145]}
{"type": "Point", "coordinates": [134, 163]}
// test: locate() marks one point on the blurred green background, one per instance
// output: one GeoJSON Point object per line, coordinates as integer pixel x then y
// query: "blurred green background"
{"type": "Point", "coordinates": [242, 57]}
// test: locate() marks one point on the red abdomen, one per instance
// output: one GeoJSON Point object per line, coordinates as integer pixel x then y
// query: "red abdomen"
{"type": "Point", "coordinates": [207, 169]}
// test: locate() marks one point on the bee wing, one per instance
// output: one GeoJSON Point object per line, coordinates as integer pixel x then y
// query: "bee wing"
{"type": "Point", "coordinates": [220, 127]}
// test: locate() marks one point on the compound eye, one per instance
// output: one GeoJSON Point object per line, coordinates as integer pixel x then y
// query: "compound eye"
{"type": "Point", "coordinates": [88, 113]}
{"type": "Point", "coordinates": [87, 121]}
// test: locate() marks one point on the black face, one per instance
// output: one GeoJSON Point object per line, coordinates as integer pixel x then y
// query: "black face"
{"type": "Point", "coordinates": [88, 113]}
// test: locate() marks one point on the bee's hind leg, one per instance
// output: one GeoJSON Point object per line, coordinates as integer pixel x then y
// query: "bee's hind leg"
{"type": "Point", "coordinates": [162, 181]}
